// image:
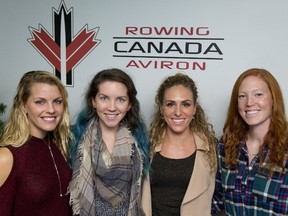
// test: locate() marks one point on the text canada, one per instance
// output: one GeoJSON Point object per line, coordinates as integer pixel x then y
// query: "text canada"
{"type": "Point", "coordinates": [166, 48]}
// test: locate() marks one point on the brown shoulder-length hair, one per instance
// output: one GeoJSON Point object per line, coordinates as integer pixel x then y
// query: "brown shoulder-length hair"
{"type": "Point", "coordinates": [132, 117]}
{"type": "Point", "coordinates": [235, 128]}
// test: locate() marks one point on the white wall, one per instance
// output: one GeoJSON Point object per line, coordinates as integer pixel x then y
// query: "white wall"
{"type": "Point", "coordinates": [252, 33]}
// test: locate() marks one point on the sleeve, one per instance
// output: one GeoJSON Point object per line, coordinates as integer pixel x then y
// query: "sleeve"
{"type": "Point", "coordinates": [218, 197]}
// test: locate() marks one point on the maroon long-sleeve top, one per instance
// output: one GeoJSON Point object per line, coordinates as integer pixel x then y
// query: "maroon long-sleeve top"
{"type": "Point", "coordinates": [32, 187]}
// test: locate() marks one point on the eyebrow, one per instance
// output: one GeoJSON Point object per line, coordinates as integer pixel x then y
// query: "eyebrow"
{"type": "Point", "coordinates": [101, 94]}
{"type": "Point", "coordinates": [188, 100]}
{"type": "Point", "coordinates": [42, 98]}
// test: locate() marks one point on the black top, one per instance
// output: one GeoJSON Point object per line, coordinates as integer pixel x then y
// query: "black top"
{"type": "Point", "coordinates": [169, 182]}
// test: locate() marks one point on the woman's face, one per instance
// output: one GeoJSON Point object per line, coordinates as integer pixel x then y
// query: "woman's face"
{"type": "Point", "coordinates": [44, 109]}
{"type": "Point", "coordinates": [178, 108]}
{"type": "Point", "coordinates": [111, 104]}
{"type": "Point", "coordinates": [255, 102]}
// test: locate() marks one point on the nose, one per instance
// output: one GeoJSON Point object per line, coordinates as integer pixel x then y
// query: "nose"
{"type": "Point", "coordinates": [249, 101]}
{"type": "Point", "coordinates": [50, 108]}
{"type": "Point", "coordinates": [111, 105]}
{"type": "Point", "coordinates": [178, 110]}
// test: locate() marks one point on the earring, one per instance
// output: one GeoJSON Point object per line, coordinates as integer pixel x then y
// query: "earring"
{"type": "Point", "coordinates": [193, 118]}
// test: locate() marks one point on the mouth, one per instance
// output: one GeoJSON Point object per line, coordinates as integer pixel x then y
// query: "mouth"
{"type": "Point", "coordinates": [49, 118]}
{"type": "Point", "coordinates": [252, 112]}
{"type": "Point", "coordinates": [178, 121]}
{"type": "Point", "coordinates": [111, 116]}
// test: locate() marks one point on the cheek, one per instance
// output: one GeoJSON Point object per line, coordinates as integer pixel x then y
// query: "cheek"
{"type": "Point", "coordinates": [240, 106]}
{"type": "Point", "coordinates": [167, 112]}
{"type": "Point", "coordinates": [270, 105]}
{"type": "Point", "coordinates": [32, 116]}
{"type": "Point", "coordinates": [166, 119]}
{"type": "Point", "coordinates": [189, 111]}
{"type": "Point", "coordinates": [29, 111]}
{"type": "Point", "coordinates": [60, 110]}
{"type": "Point", "coordinates": [99, 106]}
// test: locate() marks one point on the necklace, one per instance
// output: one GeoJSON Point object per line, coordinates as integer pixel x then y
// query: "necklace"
{"type": "Point", "coordinates": [56, 168]}
{"type": "Point", "coordinates": [252, 154]}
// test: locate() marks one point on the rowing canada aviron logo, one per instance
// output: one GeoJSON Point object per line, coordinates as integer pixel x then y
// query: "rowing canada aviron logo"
{"type": "Point", "coordinates": [63, 50]}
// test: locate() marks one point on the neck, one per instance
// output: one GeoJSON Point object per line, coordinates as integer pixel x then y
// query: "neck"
{"type": "Point", "coordinates": [254, 140]}
{"type": "Point", "coordinates": [39, 136]}
{"type": "Point", "coordinates": [109, 137]}
{"type": "Point", "coordinates": [178, 138]}
{"type": "Point", "coordinates": [257, 135]}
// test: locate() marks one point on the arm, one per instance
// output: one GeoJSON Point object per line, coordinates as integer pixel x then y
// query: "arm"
{"type": "Point", "coordinates": [6, 189]}
{"type": "Point", "coordinates": [218, 197]}
{"type": "Point", "coordinates": [6, 163]}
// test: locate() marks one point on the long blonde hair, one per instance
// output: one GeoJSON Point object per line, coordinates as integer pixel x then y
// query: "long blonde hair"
{"type": "Point", "coordinates": [16, 131]}
{"type": "Point", "coordinates": [198, 125]}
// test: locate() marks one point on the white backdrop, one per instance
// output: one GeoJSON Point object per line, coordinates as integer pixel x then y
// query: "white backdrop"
{"type": "Point", "coordinates": [220, 39]}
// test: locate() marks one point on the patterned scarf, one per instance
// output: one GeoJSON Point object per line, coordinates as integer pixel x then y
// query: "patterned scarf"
{"type": "Point", "coordinates": [90, 171]}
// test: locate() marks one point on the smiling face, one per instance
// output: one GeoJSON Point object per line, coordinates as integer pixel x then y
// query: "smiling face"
{"type": "Point", "coordinates": [255, 102]}
{"type": "Point", "coordinates": [178, 108]}
{"type": "Point", "coordinates": [111, 104]}
{"type": "Point", "coordinates": [44, 109]}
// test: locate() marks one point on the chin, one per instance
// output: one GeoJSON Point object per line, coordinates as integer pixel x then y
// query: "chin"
{"type": "Point", "coordinates": [177, 130]}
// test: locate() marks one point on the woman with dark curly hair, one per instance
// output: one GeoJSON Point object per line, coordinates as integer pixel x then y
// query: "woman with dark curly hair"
{"type": "Point", "coordinates": [183, 148]}
{"type": "Point", "coordinates": [253, 155]}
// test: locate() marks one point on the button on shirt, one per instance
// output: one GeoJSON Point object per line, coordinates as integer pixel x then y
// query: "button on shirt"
{"type": "Point", "coordinates": [248, 189]}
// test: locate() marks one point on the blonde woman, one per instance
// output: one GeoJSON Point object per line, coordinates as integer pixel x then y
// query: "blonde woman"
{"type": "Point", "coordinates": [34, 173]}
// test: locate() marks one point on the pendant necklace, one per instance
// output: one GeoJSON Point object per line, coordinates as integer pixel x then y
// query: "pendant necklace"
{"type": "Point", "coordinates": [56, 168]}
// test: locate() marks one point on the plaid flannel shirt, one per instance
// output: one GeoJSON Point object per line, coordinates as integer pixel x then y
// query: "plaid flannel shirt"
{"type": "Point", "coordinates": [247, 189]}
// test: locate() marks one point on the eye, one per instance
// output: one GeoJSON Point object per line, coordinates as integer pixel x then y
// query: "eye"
{"type": "Point", "coordinates": [241, 96]}
{"type": "Point", "coordinates": [121, 99]}
{"type": "Point", "coordinates": [259, 94]}
{"type": "Point", "coordinates": [40, 102]}
{"type": "Point", "coordinates": [169, 104]}
{"type": "Point", "coordinates": [103, 98]}
{"type": "Point", "coordinates": [186, 104]}
{"type": "Point", "coordinates": [58, 101]}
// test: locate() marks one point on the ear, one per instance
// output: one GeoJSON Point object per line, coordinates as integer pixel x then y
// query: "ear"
{"type": "Point", "coordinates": [129, 107]}
{"type": "Point", "coordinates": [195, 110]}
{"type": "Point", "coordinates": [23, 109]}
{"type": "Point", "coordinates": [161, 109]}
{"type": "Point", "coordinates": [93, 101]}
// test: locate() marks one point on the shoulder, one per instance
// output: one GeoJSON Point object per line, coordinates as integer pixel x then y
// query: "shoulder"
{"type": "Point", "coordinates": [285, 162]}
{"type": "Point", "coordinates": [201, 141]}
{"type": "Point", "coordinates": [6, 156]}
{"type": "Point", "coordinates": [6, 163]}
